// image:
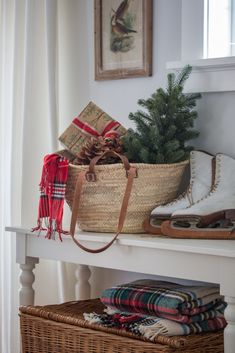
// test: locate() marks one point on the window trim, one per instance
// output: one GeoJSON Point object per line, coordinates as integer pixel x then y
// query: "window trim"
{"type": "Point", "coordinates": [208, 75]}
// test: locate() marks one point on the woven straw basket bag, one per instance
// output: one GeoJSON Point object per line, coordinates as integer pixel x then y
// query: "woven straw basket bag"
{"type": "Point", "coordinates": [118, 197]}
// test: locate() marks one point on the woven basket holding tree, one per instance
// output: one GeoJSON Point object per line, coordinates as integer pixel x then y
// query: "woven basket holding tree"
{"type": "Point", "coordinates": [158, 151]}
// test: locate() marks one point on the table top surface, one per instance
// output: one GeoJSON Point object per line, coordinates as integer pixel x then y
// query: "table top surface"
{"type": "Point", "coordinates": [211, 247]}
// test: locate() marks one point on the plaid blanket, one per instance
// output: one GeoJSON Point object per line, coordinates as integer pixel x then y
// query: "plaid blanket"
{"type": "Point", "coordinates": [163, 299]}
{"type": "Point", "coordinates": [217, 310]}
{"type": "Point", "coordinates": [150, 327]}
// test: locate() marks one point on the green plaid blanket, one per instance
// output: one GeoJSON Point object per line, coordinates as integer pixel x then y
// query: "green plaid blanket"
{"type": "Point", "coordinates": [164, 299]}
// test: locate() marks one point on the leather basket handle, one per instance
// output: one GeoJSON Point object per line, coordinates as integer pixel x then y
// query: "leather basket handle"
{"type": "Point", "coordinates": [90, 176]}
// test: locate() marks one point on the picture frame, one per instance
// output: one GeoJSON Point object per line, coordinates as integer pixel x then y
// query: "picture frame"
{"type": "Point", "coordinates": [123, 39]}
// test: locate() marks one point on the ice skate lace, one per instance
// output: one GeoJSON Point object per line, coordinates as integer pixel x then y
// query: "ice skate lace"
{"type": "Point", "coordinates": [215, 184]}
{"type": "Point", "coordinates": [187, 193]}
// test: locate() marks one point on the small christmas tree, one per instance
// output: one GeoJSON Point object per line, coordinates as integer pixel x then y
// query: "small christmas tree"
{"type": "Point", "coordinates": [165, 126]}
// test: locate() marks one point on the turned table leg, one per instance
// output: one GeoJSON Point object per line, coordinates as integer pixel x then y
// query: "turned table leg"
{"type": "Point", "coordinates": [82, 286]}
{"type": "Point", "coordinates": [229, 332]}
{"type": "Point", "coordinates": [26, 292]}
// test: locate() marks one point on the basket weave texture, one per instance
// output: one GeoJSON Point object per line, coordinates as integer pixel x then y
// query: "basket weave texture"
{"type": "Point", "coordinates": [62, 329]}
{"type": "Point", "coordinates": [101, 200]}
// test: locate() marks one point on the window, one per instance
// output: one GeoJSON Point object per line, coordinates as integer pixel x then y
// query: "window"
{"type": "Point", "coordinates": [219, 27]}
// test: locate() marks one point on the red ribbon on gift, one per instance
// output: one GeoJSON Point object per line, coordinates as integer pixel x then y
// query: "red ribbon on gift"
{"type": "Point", "coordinates": [109, 130]}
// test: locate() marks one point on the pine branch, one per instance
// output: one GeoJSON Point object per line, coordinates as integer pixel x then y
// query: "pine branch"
{"type": "Point", "coordinates": [146, 117]}
{"type": "Point", "coordinates": [171, 82]}
{"type": "Point", "coordinates": [184, 75]}
{"type": "Point", "coordinates": [165, 125]}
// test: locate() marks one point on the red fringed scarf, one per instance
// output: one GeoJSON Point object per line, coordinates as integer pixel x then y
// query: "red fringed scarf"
{"type": "Point", "coordinates": [52, 193]}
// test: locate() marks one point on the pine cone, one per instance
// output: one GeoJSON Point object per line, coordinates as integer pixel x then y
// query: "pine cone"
{"type": "Point", "coordinates": [96, 147]}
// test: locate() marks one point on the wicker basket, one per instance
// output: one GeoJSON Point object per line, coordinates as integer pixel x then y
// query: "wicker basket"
{"type": "Point", "coordinates": [62, 329]}
{"type": "Point", "coordinates": [101, 200]}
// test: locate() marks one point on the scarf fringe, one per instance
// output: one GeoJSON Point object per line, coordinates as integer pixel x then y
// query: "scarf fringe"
{"type": "Point", "coordinates": [150, 332]}
{"type": "Point", "coordinates": [110, 311]}
{"type": "Point", "coordinates": [92, 318]}
{"type": "Point", "coordinates": [51, 233]}
{"type": "Point", "coordinates": [39, 227]}
{"type": "Point", "coordinates": [51, 230]}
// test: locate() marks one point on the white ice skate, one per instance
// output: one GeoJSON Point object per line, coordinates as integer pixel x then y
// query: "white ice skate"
{"type": "Point", "coordinates": [201, 179]}
{"type": "Point", "coordinates": [213, 217]}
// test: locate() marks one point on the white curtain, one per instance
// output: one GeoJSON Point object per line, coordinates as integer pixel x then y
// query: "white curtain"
{"type": "Point", "coordinates": [10, 198]}
{"type": "Point", "coordinates": [39, 93]}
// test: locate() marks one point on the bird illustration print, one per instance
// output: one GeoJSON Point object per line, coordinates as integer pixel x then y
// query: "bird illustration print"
{"type": "Point", "coordinates": [122, 28]}
{"type": "Point", "coordinates": [122, 9]}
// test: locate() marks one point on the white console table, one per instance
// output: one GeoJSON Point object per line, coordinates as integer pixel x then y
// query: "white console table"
{"type": "Point", "coordinates": [201, 260]}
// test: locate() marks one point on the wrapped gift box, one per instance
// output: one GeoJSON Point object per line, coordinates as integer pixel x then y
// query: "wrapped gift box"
{"type": "Point", "coordinates": [91, 122]}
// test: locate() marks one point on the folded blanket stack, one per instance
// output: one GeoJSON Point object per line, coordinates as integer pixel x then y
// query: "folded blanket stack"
{"type": "Point", "coordinates": [149, 308]}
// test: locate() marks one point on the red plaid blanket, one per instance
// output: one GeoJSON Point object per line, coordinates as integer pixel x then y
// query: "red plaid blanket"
{"type": "Point", "coordinates": [163, 299]}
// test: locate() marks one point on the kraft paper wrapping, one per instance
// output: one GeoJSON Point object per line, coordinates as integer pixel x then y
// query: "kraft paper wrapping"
{"type": "Point", "coordinates": [91, 122]}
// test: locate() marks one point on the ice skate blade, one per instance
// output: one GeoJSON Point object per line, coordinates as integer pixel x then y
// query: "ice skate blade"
{"type": "Point", "coordinates": [148, 228]}
{"type": "Point", "coordinates": [170, 229]}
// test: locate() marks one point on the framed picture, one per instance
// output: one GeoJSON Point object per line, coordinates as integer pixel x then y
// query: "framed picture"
{"type": "Point", "coordinates": [123, 39]}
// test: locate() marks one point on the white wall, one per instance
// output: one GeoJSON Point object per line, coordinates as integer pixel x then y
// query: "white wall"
{"type": "Point", "coordinates": [216, 123]}
{"type": "Point", "coordinates": [119, 97]}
